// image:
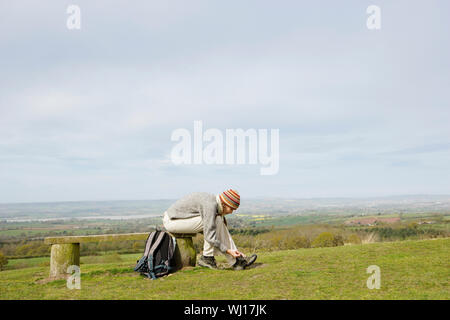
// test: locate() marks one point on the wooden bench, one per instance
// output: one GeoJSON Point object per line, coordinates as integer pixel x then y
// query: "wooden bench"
{"type": "Point", "coordinates": [65, 251]}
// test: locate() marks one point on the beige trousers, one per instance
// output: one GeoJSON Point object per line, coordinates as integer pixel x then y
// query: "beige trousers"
{"type": "Point", "coordinates": [195, 225]}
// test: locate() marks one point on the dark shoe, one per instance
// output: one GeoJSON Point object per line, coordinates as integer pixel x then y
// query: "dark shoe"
{"type": "Point", "coordinates": [251, 259]}
{"type": "Point", "coordinates": [208, 262]}
{"type": "Point", "coordinates": [240, 263]}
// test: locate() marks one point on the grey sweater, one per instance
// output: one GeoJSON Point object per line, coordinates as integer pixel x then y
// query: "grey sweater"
{"type": "Point", "coordinates": [199, 204]}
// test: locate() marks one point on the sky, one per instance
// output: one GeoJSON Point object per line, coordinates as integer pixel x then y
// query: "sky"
{"type": "Point", "coordinates": [88, 114]}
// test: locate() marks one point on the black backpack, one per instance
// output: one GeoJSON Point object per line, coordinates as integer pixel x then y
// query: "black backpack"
{"type": "Point", "coordinates": [158, 259]}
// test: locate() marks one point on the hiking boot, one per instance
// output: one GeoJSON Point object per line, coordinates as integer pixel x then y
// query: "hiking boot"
{"type": "Point", "coordinates": [208, 262]}
{"type": "Point", "coordinates": [251, 259]}
{"type": "Point", "coordinates": [240, 263]}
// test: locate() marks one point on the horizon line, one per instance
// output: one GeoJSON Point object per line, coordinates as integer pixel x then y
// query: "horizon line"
{"type": "Point", "coordinates": [249, 198]}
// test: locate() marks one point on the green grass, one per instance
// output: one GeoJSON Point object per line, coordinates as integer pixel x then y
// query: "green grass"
{"type": "Point", "coordinates": [27, 263]}
{"type": "Point", "coordinates": [284, 221]}
{"type": "Point", "coordinates": [409, 270]}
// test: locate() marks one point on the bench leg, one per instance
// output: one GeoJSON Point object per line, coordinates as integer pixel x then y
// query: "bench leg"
{"type": "Point", "coordinates": [63, 256]}
{"type": "Point", "coordinates": [185, 255]}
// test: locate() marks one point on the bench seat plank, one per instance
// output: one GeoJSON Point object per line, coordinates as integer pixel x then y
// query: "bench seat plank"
{"type": "Point", "coordinates": [96, 238]}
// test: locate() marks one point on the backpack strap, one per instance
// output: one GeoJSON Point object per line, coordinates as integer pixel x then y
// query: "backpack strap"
{"type": "Point", "coordinates": [157, 242]}
{"type": "Point", "coordinates": [152, 251]}
{"type": "Point", "coordinates": [148, 244]}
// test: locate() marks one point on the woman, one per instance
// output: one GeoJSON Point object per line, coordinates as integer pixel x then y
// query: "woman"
{"type": "Point", "coordinates": [204, 212]}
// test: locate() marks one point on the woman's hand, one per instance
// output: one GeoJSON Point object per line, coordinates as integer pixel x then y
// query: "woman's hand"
{"type": "Point", "coordinates": [234, 253]}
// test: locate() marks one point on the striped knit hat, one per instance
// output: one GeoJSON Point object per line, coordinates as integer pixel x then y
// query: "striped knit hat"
{"type": "Point", "coordinates": [231, 198]}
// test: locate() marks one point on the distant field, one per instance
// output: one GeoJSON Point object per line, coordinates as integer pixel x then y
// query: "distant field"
{"type": "Point", "coordinates": [409, 270]}
{"type": "Point", "coordinates": [271, 206]}
{"type": "Point", "coordinates": [33, 232]}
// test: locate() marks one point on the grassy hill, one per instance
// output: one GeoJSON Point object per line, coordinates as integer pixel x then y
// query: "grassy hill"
{"type": "Point", "coordinates": [409, 270]}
